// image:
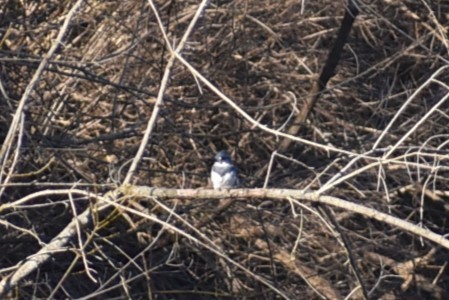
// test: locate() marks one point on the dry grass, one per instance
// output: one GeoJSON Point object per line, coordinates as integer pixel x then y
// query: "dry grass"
{"type": "Point", "coordinates": [377, 136]}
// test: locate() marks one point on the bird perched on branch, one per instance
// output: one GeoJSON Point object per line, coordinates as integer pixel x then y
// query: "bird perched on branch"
{"type": "Point", "coordinates": [224, 173]}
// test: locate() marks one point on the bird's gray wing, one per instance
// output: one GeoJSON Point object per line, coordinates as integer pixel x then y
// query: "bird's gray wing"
{"type": "Point", "coordinates": [231, 179]}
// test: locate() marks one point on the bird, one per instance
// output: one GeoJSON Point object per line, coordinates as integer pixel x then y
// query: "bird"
{"type": "Point", "coordinates": [223, 173]}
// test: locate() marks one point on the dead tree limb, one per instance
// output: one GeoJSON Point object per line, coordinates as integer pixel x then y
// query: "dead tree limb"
{"type": "Point", "coordinates": [327, 73]}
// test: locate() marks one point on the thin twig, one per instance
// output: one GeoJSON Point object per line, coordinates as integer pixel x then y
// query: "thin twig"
{"type": "Point", "coordinates": [164, 82]}
{"type": "Point", "coordinates": [36, 77]}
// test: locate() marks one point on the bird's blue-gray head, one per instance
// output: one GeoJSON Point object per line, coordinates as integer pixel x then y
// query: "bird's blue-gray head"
{"type": "Point", "coordinates": [223, 156]}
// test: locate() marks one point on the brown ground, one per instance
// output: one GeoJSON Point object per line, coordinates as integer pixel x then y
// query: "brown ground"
{"type": "Point", "coordinates": [85, 120]}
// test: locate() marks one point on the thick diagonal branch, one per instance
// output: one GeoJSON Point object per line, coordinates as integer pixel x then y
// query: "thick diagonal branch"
{"type": "Point", "coordinates": [327, 73]}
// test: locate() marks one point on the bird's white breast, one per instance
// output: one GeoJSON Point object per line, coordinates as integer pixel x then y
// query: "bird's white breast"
{"type": "Point", "coordinates": [218, 181]}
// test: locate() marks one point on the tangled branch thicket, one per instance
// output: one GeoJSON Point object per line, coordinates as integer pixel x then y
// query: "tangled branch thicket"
{"type": "Point", "coordinates": [377, 136]}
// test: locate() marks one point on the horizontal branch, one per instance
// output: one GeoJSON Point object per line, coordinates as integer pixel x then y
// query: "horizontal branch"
{"type": "Point", "coordinates": [33, 262]}
{"type": "Point", "coordinates": [281, 194]}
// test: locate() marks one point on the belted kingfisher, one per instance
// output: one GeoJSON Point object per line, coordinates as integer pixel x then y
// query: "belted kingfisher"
{"type": "Point", "coordinates": [224, 173]}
